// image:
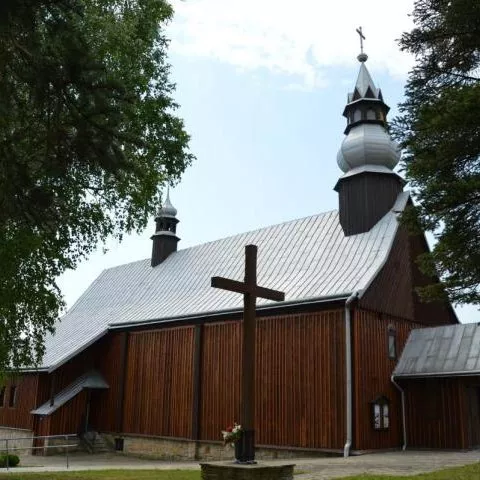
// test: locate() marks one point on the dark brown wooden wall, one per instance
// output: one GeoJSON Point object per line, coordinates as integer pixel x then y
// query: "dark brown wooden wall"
{"type": "Point", "coordinates": [220, 378]}
{"type": "Point", "coordinates": [19, 416]}
{"type": "Point", "coordinates": [62, 377]}
{"type": "Point", "coordinates": [159, 383]}
{"type": "Point", "coordinates": [436, 411]}
{"type": "Point", "coordinates": [102, 356]}
{"type": "Point", "coordinates": [372, 372]}
{"type": "Point", "coordinates": [431, 313]}
{"type": "Point", "coordinates": [300, 380]}
{"type": "Point", "coordinates": [70, 418]}
{"type": "Point", "coordinates": [393, 290]}
{"type": "Point", "coordinates": [105, 404]}
{"type": "Point", "coordinates": [364, 199]}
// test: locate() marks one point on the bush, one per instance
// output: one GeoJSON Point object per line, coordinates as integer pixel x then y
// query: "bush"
{"type": "Point", "coordinates": [13, 460]}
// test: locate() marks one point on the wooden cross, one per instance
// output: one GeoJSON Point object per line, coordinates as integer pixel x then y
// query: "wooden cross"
{"type": "Point", "coordinates": [250, 291]}
{"type": "Point", "coordinates": [362, 38]}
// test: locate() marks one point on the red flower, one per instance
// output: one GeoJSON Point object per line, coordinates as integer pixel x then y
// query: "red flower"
{"type": "Point", "coordinates": [229, 429]}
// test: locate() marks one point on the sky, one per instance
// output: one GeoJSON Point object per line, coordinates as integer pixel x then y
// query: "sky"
{"type": "Point", "coordinates": [261, 86]}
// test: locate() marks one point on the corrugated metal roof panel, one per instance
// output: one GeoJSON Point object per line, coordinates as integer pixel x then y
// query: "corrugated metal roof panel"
{"type": "Point", "coordinates": [309, 258]}
{"type": "Point", "coordinates": [92, 379]}
{"type": "Point", "coordinates": [441, 351]}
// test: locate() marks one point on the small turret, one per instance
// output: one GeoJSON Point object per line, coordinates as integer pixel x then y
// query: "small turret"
{"type": "Point", "coordinates": [165, 238]}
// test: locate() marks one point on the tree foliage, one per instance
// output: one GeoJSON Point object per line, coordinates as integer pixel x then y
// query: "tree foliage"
{"type": "Point", "coordinates": [439, 130]}
{"type": "Point", "coordinates": [88, 135]}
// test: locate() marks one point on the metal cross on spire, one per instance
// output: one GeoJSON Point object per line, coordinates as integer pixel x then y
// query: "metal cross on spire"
{"type": "Point", "coordinates": [362, 38]}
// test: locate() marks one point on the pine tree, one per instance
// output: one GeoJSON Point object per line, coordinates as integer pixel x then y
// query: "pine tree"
{"type": "Point", "coordinates": [439, 130]}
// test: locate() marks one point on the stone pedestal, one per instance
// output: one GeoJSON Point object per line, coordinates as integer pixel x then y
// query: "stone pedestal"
{"type": "Point", "coordinates": [232, 471]}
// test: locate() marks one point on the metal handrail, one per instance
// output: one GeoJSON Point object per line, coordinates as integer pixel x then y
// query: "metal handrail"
{"type": "Point", "coordinates": [66, 437]}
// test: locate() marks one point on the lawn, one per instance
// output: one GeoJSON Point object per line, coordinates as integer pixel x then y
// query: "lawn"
{"type": "Point", "coordinates": [108, 475]}
{"type": "Point", "coordinates": [469, 472]}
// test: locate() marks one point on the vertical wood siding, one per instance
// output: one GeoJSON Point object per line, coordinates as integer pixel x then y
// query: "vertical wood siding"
{"type": "Point", "coordinates": [300, 380]}
{"type": "Point", "coordinates": [427, 313]}
{"type": "Point", "coordinates": [26, 392]}
{"type": "Point", "coordinates": [436, 412]}
{"type": "Point", "coordinates": [393, 290]}
{"type": "Point", "coordinates": [104, 403]}
{"type": "Point", "coordinates": [364, 199]}
{"type": "Point", "coordinates": [159, 386]}
{"type": "Point", "coordinates": [221, 382]}
{"type": "Point", "coordinates": [372, 370]}
{"type": "Point", "coordinates": [69, 418]}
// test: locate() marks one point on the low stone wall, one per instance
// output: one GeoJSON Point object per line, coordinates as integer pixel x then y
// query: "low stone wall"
{"type": "Point", "coordinates": [19, 440]}
{"type": "Point", "coordinates": [59, 445]}
{"type": "Point", "coordinates": [219, 471]}
{"type": "Point", "coordinates": [183, 449]}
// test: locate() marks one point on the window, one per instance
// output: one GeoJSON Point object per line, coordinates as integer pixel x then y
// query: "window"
{"type": "Point", "coordinates": [392, 343]}
{"type": "Point", "coordinates": [371, 114]}
{"type": "Point", "coordinates": [381, 413]}
{"type": "Point", "coordinates": [13, 396]}
{"type": "Point", "coordinates": [2, 397]}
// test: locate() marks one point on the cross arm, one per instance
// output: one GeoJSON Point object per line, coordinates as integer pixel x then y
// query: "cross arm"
{"type": "Point", "coordinates": [241, 287]}
{"type": "Point", "coordinates": [270, 294]}
{"type": "Point", "coordinates": [227, 284]}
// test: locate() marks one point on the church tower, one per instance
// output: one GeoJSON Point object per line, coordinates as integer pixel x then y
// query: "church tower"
{"type": "Point", "coordinates": [369, 187]}
{"type": "Point", "coordinates": [165, 238]}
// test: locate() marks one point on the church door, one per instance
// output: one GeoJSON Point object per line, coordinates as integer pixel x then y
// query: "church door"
{"type": "Point", "coordinates": [474, 415]}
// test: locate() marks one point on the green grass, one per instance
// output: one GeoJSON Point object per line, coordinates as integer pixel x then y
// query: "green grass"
{"type": "Point", "coordinates": [108, 475]}
{"type": "Point", "coordinates": [469, 472]}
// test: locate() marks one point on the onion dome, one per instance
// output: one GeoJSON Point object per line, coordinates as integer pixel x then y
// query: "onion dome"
{"type": "Point", "coordinates": [167, 209]}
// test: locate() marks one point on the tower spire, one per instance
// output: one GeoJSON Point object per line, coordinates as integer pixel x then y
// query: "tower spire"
{"type": "Point", "coordinates": [367, 156]}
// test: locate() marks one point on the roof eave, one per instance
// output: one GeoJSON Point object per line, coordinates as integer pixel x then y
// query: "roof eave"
{"type": "Point", "coordinates": [436, 374]}
{"type": "Point", "coordinates": [231, 311]}
{"type": "Point", "coordinates": [53, 367]}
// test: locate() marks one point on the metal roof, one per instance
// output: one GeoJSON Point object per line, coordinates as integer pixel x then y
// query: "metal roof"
{"type": "Point", "coordinates": [92, 379]}
{"type": "Point", "coordinates": [363, 83]}
{"type": "Point", "coordinates": [447, 351]}
{"type": "Point", "coordinates": [308, 259]}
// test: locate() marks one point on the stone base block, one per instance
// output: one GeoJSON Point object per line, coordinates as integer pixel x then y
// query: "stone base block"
{"type": "Point", "coordinates": [259, 471]}
{"type": "Point", "coordinates": [19, 440]}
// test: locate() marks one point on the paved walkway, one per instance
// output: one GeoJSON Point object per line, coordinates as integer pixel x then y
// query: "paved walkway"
{"type": "Point", "coordinates": [392, 463]}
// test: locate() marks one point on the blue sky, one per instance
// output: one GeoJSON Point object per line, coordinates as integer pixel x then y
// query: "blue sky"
{"type": "Point", "coordinates": [261, 86]}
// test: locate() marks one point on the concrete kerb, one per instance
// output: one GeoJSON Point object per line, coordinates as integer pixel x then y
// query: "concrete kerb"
{"type": "Point", "coordinates": [393, 463]}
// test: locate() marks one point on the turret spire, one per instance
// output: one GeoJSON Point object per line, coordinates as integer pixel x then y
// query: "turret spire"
{"type": "Point", "coordinates": [367, 141]}
{"type": "Point", "coordinates": [165, 238]}
{"type": "Point", "coordinates": [167, 209]}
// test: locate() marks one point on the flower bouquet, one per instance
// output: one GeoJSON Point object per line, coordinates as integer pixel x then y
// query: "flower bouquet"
{"type": "Point", "coordinates": [232, 434]}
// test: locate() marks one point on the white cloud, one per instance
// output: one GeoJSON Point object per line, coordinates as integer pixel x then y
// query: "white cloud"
{"type": "Point", "coordinates": [299, 38]}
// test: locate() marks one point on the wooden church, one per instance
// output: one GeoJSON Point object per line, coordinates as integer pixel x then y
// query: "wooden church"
{"type": "Point", "coordinates": [150, 354]}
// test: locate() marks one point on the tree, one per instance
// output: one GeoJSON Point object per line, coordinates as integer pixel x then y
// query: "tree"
{"type": "Point", "coordinates": [439, 130]}
{"type": "Point", "coordinates": [88, 135]}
